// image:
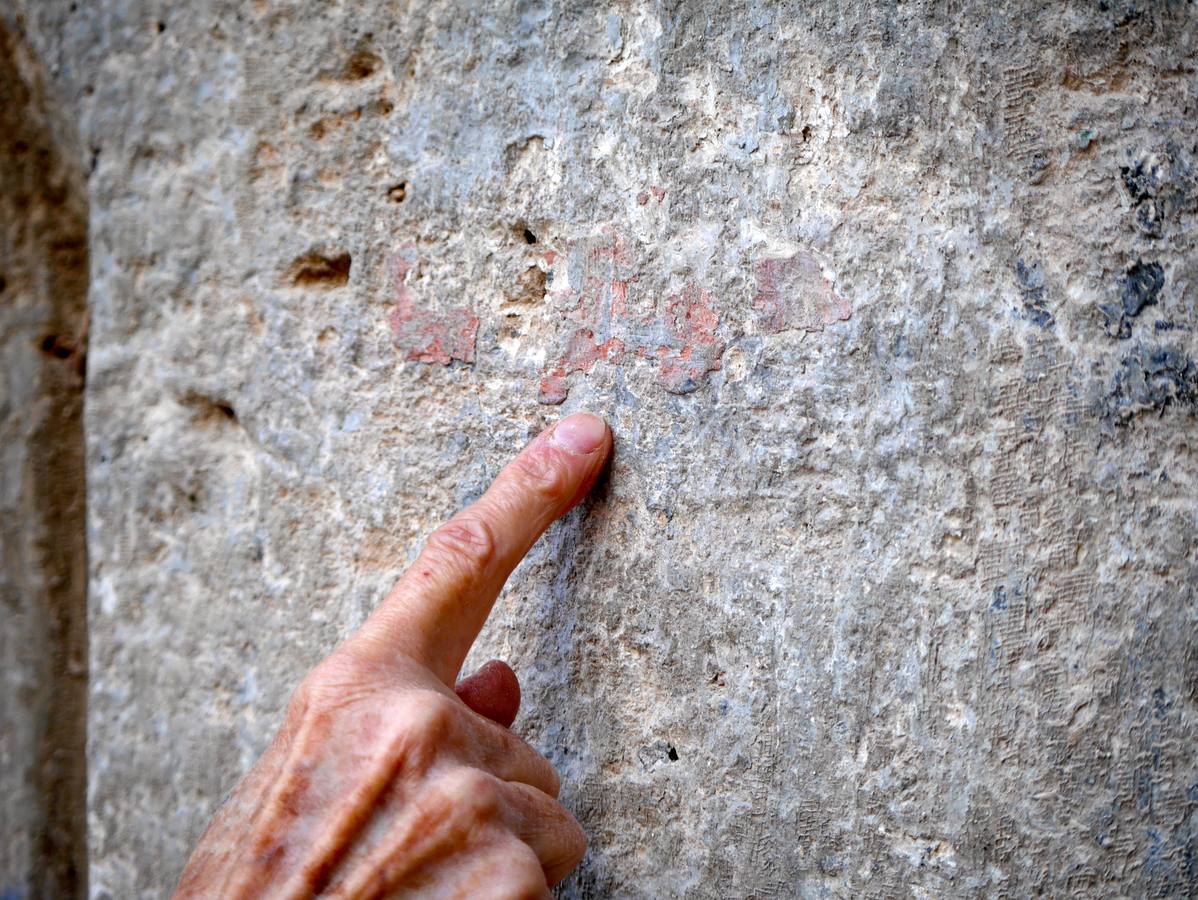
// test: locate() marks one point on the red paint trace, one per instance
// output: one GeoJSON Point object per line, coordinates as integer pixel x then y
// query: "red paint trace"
{"type": "Point", "coordinates": [425, 335]}
{"type": "Point", "coordinates": [602, 276]}
{"type": "Point", "coordinates": [792, 292]}
{"type": "Point", "coordinates": [605, 319]}
{"type": "Point", "coordinates": [658, 193]}
{"type": "Point", "coordinates": [690, 348]}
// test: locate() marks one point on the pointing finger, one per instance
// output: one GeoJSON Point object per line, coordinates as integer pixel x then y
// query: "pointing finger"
{"type": "Point", "coordinates": [437, 608]}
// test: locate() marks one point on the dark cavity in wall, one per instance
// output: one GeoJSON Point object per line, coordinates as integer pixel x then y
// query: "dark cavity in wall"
{"type": "Point", "coordinates": [43, 561]}
{"type": "Point", "coordinates": [361, 65]}
{"type": "Point", "coordinates": [321, 271]}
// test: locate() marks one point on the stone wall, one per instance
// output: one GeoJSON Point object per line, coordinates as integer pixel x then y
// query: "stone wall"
{"type": "Point", "coordinates": [891, 307]}
{"type": "Point", "coordinates": [43, 563]}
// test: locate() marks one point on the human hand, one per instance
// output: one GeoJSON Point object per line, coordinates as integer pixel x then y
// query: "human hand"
{"type": "Point", "coordinates": [383, 780]}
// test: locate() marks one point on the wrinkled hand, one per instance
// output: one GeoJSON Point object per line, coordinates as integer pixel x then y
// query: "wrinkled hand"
{"type": "Point", "coordinates": [383, 779]}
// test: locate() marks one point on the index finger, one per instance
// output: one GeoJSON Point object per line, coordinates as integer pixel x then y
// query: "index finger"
{"type": "Point", "coordinates": [436, 610]}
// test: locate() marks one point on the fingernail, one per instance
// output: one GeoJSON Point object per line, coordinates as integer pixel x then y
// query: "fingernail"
{"type": "Point", "coordinates": [580, 433]}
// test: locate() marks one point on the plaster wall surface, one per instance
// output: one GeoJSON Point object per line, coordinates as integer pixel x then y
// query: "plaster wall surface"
{"type": "Point", "coordinates": [890, 589]}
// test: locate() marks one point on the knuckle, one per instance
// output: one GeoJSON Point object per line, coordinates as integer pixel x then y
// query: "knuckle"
{"type": "Point", "coordinates": [466, 542]}
{"type": "Point", "coordinates": [429, 716]}
{"type": "Point", "coordinates": [545, 473]}
{"type": "Point", "coordinates": [472, 794]}
{"type": "Point", "coordinates": [324, 687]}
{"type": "Point", "coordinates": [341, 688]}
{"type": "Point", "coordinates": [423, 730]}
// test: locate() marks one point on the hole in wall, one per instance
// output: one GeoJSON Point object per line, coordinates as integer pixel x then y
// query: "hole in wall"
{"type": "Point", "coordinates": [209, 411]}
{"type": "Point", "coordinates": [361, 65]}
{"type": "Point", "coordinates": [397, 193]}
{"type": "Point", "coordinates": [529, 287]}
{"type": "Point", "coordinates": [57, 346]}
{"type": "Point", "coordinates": [321, 271]}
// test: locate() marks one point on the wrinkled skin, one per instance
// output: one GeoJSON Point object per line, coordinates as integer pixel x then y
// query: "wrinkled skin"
{"type": "Point", "coordinates": [384, 779]}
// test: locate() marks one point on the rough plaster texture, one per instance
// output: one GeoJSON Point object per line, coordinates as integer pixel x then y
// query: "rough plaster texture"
{"type": "Point", "coordinates": [892, 309]}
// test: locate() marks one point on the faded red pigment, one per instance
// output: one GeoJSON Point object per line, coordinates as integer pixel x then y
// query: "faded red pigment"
{"type": "Point", "coordinates": [582, 352]}
{"type": "Point", "coordinates": [682, 338]}
{"type": "Point", "coordinates": [692, 348]}
{"type": "Point", "coordinates": [658, 194]}
{"type": "Point", "coordinates": [429, 336]}
{"type": "Point", "coordinates": [792, 292]}
{"type": "Point", "coordinates": [597, 280]}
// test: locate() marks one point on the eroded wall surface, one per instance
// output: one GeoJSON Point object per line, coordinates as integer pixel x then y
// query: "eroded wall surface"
{"type": "Point", "coordinates": [891, 307]}
{"type": "Point", "coordinates": [43, 564]}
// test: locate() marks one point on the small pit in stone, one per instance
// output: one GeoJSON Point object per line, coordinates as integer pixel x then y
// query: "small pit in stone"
{"type": "Point", "coordinates": [529, 287]}
{"type": "Point", "coordinates": [398, 193]}
{"type": "Point", "coordinates": [361, 65]}
{"type": "Point", "coordinates": [671, 753]}
{"type": "Point", "coordinates": [209, 411]}
{"type": "Point", "coordinates": [58, 346]}
{"type": "Point", "coordinates": [529, 237]}
{"type": "Point", "coordinates": [319, 270]}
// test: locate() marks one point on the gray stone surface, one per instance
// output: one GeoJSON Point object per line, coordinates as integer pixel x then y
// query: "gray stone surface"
{"type": "Point", "coordinates": [891, 588]}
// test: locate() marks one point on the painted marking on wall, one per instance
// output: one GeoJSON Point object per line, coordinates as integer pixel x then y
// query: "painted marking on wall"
{"type": "Point", "coordinates": [793, 292]}
{"type": "Point", "coordinates": [595, 288]}
{"type": "Point", "coordinates": [428, 335]}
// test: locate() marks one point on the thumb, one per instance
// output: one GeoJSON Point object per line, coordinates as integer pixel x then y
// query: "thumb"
{"type": "Point", "coordinates": [493, 691]}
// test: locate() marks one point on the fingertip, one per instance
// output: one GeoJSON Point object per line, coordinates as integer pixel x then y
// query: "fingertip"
{"type": "Point", "coordinates": [581, 433]}
{"type": "Point", "coordinates": [554, 472]}
{"type": "Point", "coordinates": [441, 603]}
